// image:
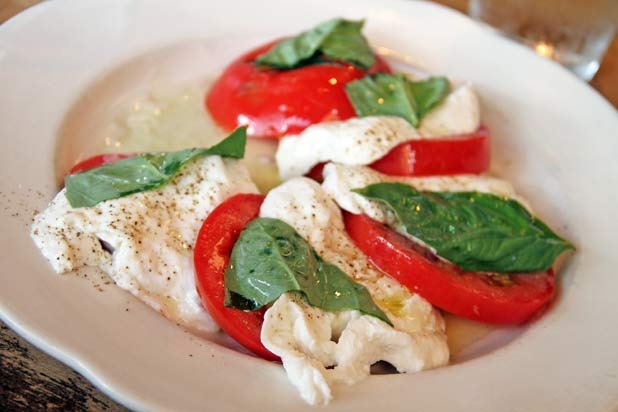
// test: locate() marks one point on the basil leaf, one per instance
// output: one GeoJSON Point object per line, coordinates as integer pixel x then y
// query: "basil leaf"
{"type": "Point", "coordinates": [142, 172]}
{"type": "Point", "coordinates": [429, 93]}
{"type": "Point", "coordinates": [336, 38]}
{"type": "Point", "coordinates": [347, 43]}
{"type": "Point", "coordinates": [270, 258]}
{"type": "Point", "coordinates": [383, 94]}
{"type": "Point", "coordinates": [236, 301]}
{"type": "Point", "coordinates": [395, 95]}
{"type": "Point", "coordinates": [476, 231]}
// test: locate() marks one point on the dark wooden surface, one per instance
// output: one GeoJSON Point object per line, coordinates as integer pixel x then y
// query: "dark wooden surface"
{"type": "Point", "coordinates": [33, 381]}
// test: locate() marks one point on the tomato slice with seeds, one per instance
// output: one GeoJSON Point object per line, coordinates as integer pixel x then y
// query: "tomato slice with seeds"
{"type": "Point", "coordinates": [505, 299]}
{"type": "Point", "coordinates": [211, 255]}
{"type": "Point", "coordinates": [276, 102]}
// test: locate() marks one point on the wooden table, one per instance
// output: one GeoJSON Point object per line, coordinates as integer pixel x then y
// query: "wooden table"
{"type": "Point", "coordinates": [32, 380]}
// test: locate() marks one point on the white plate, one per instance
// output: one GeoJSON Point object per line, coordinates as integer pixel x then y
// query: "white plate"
{"type": "Point", "coordinates": [555, 138]}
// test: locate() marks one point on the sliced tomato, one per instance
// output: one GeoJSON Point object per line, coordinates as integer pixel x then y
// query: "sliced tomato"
{"type": "Point", "coordinates": [316, 172]}
{"type": "Point", "coordinates": [451, 155]}
{"type": "Point", "coordinates": [275, 102]}
{"type": "Point", "coordinates": [466, 153]}
{"type": "Point", "coordinates": [213, 248]}
{"type": "Point", "coordinates": [99, 160]}
{"type": "Point", "coordinates": [512, 299]}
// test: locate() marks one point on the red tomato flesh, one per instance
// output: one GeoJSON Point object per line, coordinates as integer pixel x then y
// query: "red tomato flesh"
{"type": "Point", "coordinates": [98, 160]}
{"type": "Point", "coordinates": [471, 295]}
{"type": "Point", "coordinates": [212, 251]}
{"type": "Point", "coordinates": [275, 102]}
{"type": "Point", "coordinates": [449, 155]}
{"type": "Point", "coordinates": [466, 153]}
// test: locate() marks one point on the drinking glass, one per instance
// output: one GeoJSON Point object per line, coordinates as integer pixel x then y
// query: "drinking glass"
{"type": "Point", "coordinates": [575, 33]}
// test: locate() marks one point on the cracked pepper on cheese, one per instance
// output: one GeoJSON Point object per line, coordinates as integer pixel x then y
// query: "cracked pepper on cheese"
{"type": "Point", "coordinates": [144, 241]}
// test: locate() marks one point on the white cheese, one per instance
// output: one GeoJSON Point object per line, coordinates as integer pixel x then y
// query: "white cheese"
{"type": "Point", "coordinates": [361, 141]}
{"type": "Point", "coordinates": [150, 236]}
{"type": "Point", "coordinates": [302, 335]}
{"type": "Point", "coordinates": [339, 180]}
{"type": "Point", "coordinates": [459, 113]}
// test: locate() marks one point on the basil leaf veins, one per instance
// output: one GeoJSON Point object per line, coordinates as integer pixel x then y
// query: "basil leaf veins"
{"type": "Point", "coordinates": [337, 39]}
{"type": "Point", "coordinates": [396, 95]}
{"type": "Point", "coordinates": [270, 258]}
{"type": "Point", "coordinates": [142, 172]}
{"type": "Point", "coordinates": [476, 231]}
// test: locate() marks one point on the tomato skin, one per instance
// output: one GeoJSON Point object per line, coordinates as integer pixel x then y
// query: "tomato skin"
{"type": "Point", "coordinates": [458, 154]}
{"type": "Point", "coordinates": [468, 294]}
{"type": "Point", "coordinates": [316, 173]}
{"type": "Point", "coordinates": [211, 255]}
{"type": "Point", "coordinates": [275, 102]}
{"type": "Point", "coordinates": [98, 160]}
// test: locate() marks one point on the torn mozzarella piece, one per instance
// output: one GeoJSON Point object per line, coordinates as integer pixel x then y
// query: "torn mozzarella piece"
{"type": "Point", "coordinates": [361, 141]}
{"type": "Point", "coordinates": [302, 335]}
{"type": "Point", "coordinates": [144, 241]}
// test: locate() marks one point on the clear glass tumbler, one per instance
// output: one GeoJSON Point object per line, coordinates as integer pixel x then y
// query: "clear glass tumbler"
{"type": "Point", "coordinates": [574, 33]}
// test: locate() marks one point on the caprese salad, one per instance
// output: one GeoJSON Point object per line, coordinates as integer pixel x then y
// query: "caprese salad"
{"type": "Point", "coordinates": [384, 218]}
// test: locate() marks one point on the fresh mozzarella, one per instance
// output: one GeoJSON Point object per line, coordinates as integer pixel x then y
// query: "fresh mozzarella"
{"type": "Point", "coordinates": [459, 113]}
{"type": "Point", "coordinates": [339, 180]}
{"type": "Point", "coordinates": [144, 241]}
{"type": "Point", "coordinates": [355, 141]}
{"type": "Point", "coordinates": [302, 335]}
{"type": "Point", "coordinates": [361, 141]}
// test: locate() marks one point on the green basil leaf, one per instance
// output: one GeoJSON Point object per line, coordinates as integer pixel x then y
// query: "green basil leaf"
{"type": "Point", "coordinates": [142, 172]}
{"type": "Point", "coordinates": [476, 231]}
{"type": "Point", "coordinates": [384, 94]}
{"type": "Point", "coordinates": [236, 301]}
{"type": "Point", "coordinates": [270, 258]}
{"type": "Point", "coordinates": [347, 43]}
{"type": "Point", "coordinates": [338, 39]}
{"type": "Point", "coordinates": [429, 93]}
